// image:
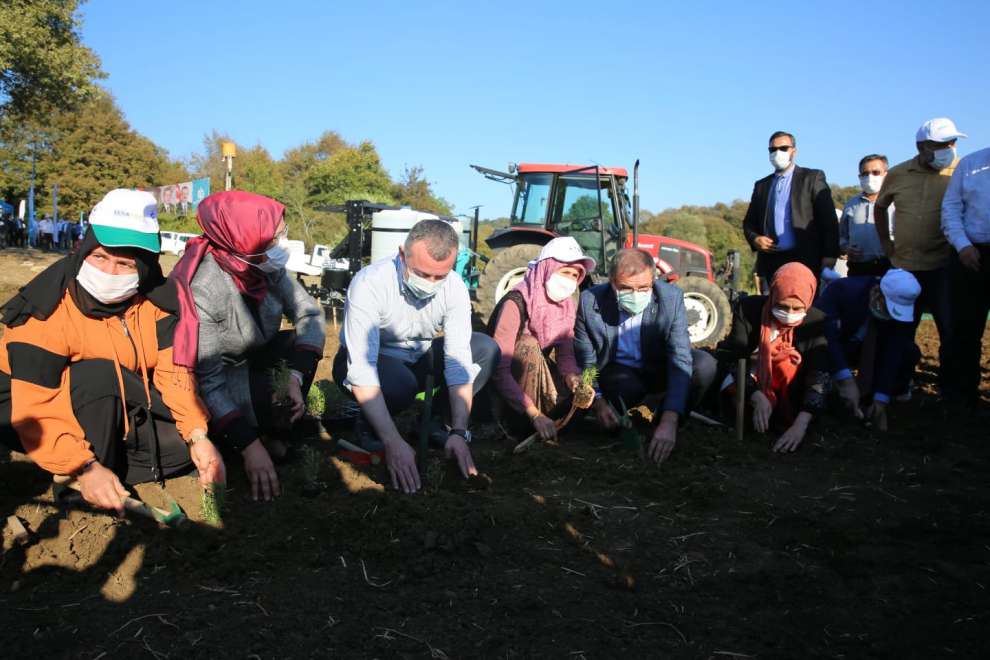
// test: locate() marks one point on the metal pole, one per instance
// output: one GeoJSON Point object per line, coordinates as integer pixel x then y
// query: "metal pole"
{"type": "Point", "coordinates": [228, 182]}
{"type": "Point", "coordinates": [635, 241]}
{"type": "Point", "coordinates": [740, 398]}
{"type": "Point", "coordinates": [31, 189]}
{"type": "Point", "coordinates": [474, 237]}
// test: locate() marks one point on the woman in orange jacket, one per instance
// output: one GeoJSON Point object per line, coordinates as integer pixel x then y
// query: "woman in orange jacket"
{"type": "Point", "coordinates": [87, 381]}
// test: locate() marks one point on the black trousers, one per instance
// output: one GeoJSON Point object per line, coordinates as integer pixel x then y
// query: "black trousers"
{"type": "Point", "coordinates": [260, 365]}
{"type": "Point", "coordinates": [970, 306]}
{"type": "Point", "coordinates": [936, 297]}
{"type": "Point", "coordinates": [153, 448]}
{"type": "Point", "coordinates": [622, 384]}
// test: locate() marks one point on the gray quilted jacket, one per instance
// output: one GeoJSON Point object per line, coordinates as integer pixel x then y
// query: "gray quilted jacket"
{"type": "Point", "coordinates": [228, 330]}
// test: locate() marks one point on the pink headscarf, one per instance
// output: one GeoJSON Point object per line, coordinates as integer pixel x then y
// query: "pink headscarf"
{"type": "Point", "coordinates": [549, 321]}
{"type": "Point", "coordinates": [236, 224]}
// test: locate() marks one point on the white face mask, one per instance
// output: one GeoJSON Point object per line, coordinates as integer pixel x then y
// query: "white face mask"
{"type": "Point", "coordinates": [788, 318]}
{"type": "Point", "coordinates": [106, 288]}
{"type": "Point", "coordinates": [278, 257]}
{"type": "Point", "coordinates": [871, 183]}
{"type": "Point", "coordinates": [942, 158]}
{"type": "Point", "coordinates": [781, 160]}
{"type": "Point", "coordinates": [560, 287]}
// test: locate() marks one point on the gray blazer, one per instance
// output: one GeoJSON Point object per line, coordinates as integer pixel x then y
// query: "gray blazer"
{"type": "Point", "coordinates": [228, 330]}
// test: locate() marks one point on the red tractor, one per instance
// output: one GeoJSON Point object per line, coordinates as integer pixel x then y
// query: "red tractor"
{"type": "Point", "coordinates": [591, 205]}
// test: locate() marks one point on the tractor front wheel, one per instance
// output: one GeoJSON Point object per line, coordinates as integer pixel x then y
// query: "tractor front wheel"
{"type": "Point", "coordinates": [708, 312]}
{"type": "Point", "coordinates": [504, 270]}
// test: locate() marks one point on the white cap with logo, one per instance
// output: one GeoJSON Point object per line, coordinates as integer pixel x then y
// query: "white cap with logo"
{"type": "Point", "coordinates": [566, 250]}
{"type": "Point", "coordinates": [940, 129]}
{"type": "Point", "coordinates": [900, 289]}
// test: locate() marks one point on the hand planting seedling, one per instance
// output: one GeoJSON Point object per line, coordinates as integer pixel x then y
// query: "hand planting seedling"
{"type": "Point", "coordinates": [584, 396]}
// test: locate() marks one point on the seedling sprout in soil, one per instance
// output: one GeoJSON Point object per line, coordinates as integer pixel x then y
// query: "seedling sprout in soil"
{"type": "Point", "coordinates": [584, 396]}
{"type": "Point", "coordinates": [281, 404]}
{"type": "Point", "coordinates": [212, 505]}
{"type": "Point", "coordinates": [311, 471]}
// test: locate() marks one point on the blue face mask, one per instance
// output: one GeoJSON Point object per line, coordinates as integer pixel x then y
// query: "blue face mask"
{"type": "Point", "coordinates": [634, 302]}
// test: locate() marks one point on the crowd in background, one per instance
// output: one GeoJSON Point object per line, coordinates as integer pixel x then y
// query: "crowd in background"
{"type": "Point", "coordinates": [46, 234]}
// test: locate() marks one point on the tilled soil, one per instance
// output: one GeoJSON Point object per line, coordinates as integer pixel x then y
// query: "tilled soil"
{"type": "Point", "coordinates": [858, 546]}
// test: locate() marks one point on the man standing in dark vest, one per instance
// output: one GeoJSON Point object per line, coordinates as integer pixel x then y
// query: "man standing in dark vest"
{"type": "Point", "coordinates": [791, 216]}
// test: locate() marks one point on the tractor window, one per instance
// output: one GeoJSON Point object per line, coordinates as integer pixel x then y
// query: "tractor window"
{"type": "Point", "coordinates": [580, 200]}
{"type": "Point", "coordinates": [531, 200]}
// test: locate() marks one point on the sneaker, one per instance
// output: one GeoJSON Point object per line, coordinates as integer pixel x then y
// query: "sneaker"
{"type": "Point", "coordinates": [364, 436]}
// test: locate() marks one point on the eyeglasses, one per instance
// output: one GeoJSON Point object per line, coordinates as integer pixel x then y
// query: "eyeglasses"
{"type": "Point", "coordinates": [873, 172]}
{"type": "Point", "coordinates": [785, 147]}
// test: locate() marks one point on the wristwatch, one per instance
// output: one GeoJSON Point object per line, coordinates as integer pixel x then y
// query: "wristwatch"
{"type": "Point", "coordinates": [464, 433]}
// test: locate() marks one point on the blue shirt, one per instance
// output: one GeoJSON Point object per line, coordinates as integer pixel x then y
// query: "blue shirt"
{"type": "Point", "coordinates": [629, 349]}
{"type": "Point", "coordinates": [857, 227]}
{"type": "Point", "coordinates": [780, 203]}
{"type": "Point", "coordinates": [966, 205]}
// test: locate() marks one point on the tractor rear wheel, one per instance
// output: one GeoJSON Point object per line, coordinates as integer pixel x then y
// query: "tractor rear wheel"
{"type": "Point", "coordinates": [503, 271]}
{"type": "Point", "coordinates": [708, 312]}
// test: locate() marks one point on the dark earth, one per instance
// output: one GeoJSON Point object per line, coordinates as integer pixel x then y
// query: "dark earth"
{"type": "Point", "coordinates": [859, 545]}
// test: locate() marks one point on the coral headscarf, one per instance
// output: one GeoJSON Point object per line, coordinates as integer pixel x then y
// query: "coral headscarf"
{"type": "Point", "coordinates": [549, 321]}
{"type": "Point", "coordinates": [236, 224]}
{"type": "Point", "coordinates": [777, 361]}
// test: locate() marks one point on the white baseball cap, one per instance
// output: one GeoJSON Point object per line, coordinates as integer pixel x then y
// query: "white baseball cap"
{"type": "Point", "coordinates": [900, 289]}
{"type": "Point", "coordinates": [127, 218]}
{"type": "Point", "coordinates": [940, 129]}
{"type": "Point", "coordinates": [566, 250]}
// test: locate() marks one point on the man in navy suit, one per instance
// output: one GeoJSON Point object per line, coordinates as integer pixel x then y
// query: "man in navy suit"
{"type": "Point", "coordinates": [791, 216]}
{"type": "Point", "coordinates": [633, 329]}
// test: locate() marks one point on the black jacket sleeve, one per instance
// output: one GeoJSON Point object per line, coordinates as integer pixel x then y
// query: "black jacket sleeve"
{"type": "Point", "coordinates": [753, 222]}
{"type": "Point", "coordinates": [825, 216]}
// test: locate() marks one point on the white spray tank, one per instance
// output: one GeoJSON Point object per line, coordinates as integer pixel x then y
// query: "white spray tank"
{"type": "Point", "coordinates": [389, 230]}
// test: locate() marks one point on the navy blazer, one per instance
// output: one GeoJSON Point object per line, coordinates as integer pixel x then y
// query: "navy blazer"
{"type": "Point", "coordinates": [663, 336]}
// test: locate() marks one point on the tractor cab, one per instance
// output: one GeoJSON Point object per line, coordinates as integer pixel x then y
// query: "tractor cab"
{"type": "Point", "coordinates": [590, 204]}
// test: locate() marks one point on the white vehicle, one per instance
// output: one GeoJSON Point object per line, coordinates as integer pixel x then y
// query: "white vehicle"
{"type": "Point", "coordinates": [174, 242]}
{"type": "Point", "coordinates": [306, 264]}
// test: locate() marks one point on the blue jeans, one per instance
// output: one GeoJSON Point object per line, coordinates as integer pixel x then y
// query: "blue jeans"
{"type": "Point", "coordinates": [401, 381]}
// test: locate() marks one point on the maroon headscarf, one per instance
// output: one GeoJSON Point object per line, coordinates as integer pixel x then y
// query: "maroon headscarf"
{"type": "Point", "coordinates": [235, 224]}
{"type": "Point", "coordinates": [549, 321]}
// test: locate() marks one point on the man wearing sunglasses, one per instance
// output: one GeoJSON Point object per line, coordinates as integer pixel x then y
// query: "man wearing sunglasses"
{"type": "Point", "coordinates": [791, 216]}
{"type": "Point", "coordinates": [858, 237]}
{"type": "Point", "coordinates": [917, 187]}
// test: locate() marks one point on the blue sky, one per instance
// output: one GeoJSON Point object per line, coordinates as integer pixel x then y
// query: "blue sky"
{"type": "Point", "coordinates": [693, 89]}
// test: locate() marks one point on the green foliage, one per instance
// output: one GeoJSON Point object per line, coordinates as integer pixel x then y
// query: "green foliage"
{"type": "Point", "coordinates": [43, 64]}
{"type": "Point", "coordinates": [87, 153]}
{"type": "Point", "coordinates": [350, 173]}
{"type": "Point", "coordinates": [182, 223]}
{"type": "Point", "coordinates": [414, 190]}
{"type": "Point", "coordinates": [842, 194]}
{"type": "Point", "coordinates": [717, 228]}
{"type": "Point", "coordinates": [319, 394]}
{"type": "Point", "coordinates": [214, 497]}
{"type": "Point", "coordinates": [589, 376]}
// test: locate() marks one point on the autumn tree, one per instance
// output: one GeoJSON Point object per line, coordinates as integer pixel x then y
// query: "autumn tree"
{"type": "Point", "coordinates": [43, 64]}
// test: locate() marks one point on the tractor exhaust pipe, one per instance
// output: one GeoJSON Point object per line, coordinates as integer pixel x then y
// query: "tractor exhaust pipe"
{"type": "Point", "coordinates": [635, 218]}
